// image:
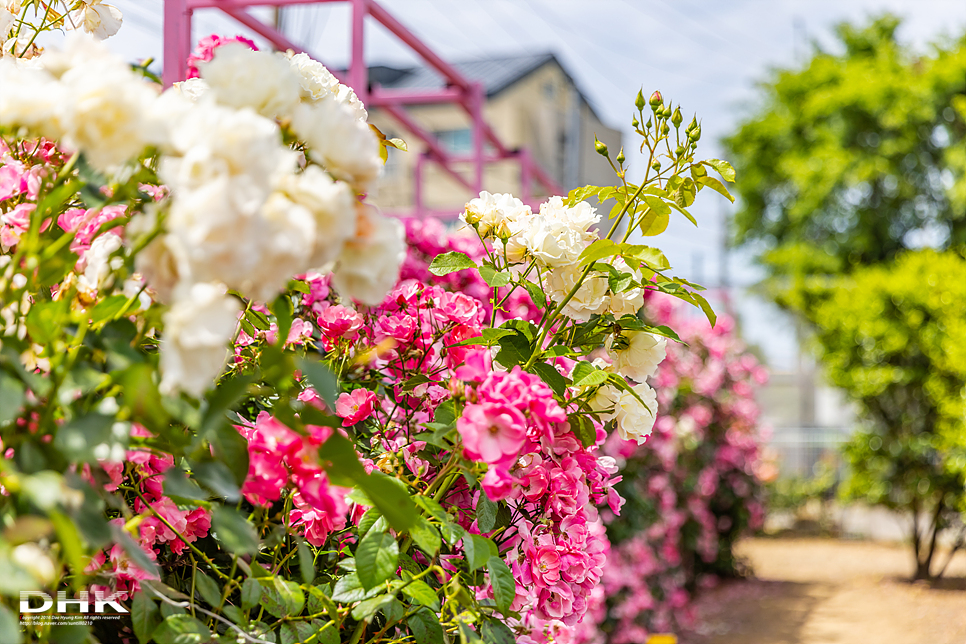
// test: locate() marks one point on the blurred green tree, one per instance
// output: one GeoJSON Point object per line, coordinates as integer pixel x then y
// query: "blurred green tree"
{"type": "Point", "coordinates": [853, 162]}
{"type": "Point", "coordinates": [856, 156]}
{"type": "Point", "coordinates": [892, 336]}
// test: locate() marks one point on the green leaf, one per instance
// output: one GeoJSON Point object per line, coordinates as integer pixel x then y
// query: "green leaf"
{"type": "Point", "coordinates": [715, 185]}
{"type": "Point", "coordinates": [494, 631]}
{"type": "Point", "coordinates": [341, 461]}
{"type": "Point", "coordinates": [321, 378]}
{"type": "Point", "coordinates": [580, 194]}
{"type": "Point", "coordinates": [181, 629]}
{"type": "Point", "coordinates": [488, 337]}
{"type": "Point", "coordinates": [486, 513]}
{"type": "Point", "coordinates": [177, 483]}
{"type": "Point", "coordinates": [724, 168]}
{"type": "Point", "coordinates": [283, 598]}
{"type": "Point", "coordinates": [12, 396]}
{"type": "Point", "coordinates": [368, 519]}
{"type": "Point", "coordinates": [231, 449]}
{"type": "Point", "coordinates": [217, 478]}
{"type": "Point", "coordinates": [493, 277]}
{"type": "Point", "coordinates": [251, 593]}
{"type": "Point", "coordinates": [392, 499]}
{"type": "Point", "coordinates": [450, 263]}
{"type": "Point", "coordinates": [376, 558]}
{"type": "Point", "coordinates": [549, 374]}
{"type": "Point", "coordinates": [320, 601]}
{"type": "Point", "coordinates": [365, 609]}
{"type": "Point", "coordinates": [107, 308]}
{"type": "Point", "coordinates": [514, 349]}
{"type": "Point", "coordinates": [92, 437]}
{"type": "Point", "coordinates": [426, 536]}
{"type": "Point", "coordinates": [208, 589]}
{"type": "Point", "coordinates": [234, 531]}
{"type": "Point", "coordinates": [46, 321]}
{"type": "Point", "coordinates": [478, 550]}
{"type": "Point", "coordinates": [297, 632]}
{"type": "Point", "coordinates": [229, 392]}
{"type": "Point", "coordinates": [587, 375]}
{"type": "Point", "coordinates": [598, 250]}
{"type": "Point", "coordinates": [703, 304]}
{"type": "Point", "coordinates": [654, 223]}
{"type": "Point", "coordinates": [144, 616]}
{"type": "Point", "coordinates": [684, 195]}
{"type": "Point", "coordinates": [426, 627]}
{"type": "Point", "coordinates": [432, 507]}
{"type": "Point", "coordinates": [583, 428]}
{"type": "Point", "coordinates": [283, 312]}
{"type": "Point", "coordinates": [348, 589]}
{"type": "Point", "coordinates": [653, 257]}
{"type": "Point", "coordinates": [422, 593]}
{"type": "Point", "coordinates": [504, 586]}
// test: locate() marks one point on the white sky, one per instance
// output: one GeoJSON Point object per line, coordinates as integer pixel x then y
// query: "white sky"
{"type": "Point", "coordinates": [704, 54]}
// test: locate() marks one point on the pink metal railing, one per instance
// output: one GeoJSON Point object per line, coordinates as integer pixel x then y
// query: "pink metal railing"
{"type": "Point", "coordinates": [459, 90]}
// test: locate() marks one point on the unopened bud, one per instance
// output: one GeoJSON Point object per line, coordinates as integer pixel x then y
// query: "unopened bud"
{"type": "Point", "coordinates": [600, 147]}
{"type": "Point", "coordinates": [620, 157]}
{"type": "Point", "coordinates": [656, 166]}
{"type": "Point", "coordinates": [676, 118]}
{"type": "Point", "coordinates": [667, 112]}
{"type": "Point", "coordinates": [665, 129]}
{"type": "Point", "coordinates": [679, 151]}
{"type": "Point", "coordinates": [648, 124]}
{"type": "Point", "coordinates": [639, 101]}
{"type": "Point", "coordinates": [695, 134]}
{"type": "Point", "coordinates": [693, 124]}
{"type": "Point", "coordinates": [656, 100]}
{"type": "Point", "coordinates": [502, 231]}
{"type": "Point", "coordinates": [635, 123]}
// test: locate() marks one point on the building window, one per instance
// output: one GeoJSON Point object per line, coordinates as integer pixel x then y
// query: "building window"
{"type": "Point", "coordinates": [456, 141]}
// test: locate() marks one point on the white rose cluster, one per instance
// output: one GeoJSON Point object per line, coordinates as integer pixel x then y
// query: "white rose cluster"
{"type": "Point", "coordinates": [244, 212]}
{"type": "Point", "coordinates": [634, 421]}
{"type": "Point", "coordinates": [553, 238]}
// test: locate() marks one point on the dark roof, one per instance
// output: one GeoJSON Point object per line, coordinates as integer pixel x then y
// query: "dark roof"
{"type": "Point", "coordinates": [496, 73]}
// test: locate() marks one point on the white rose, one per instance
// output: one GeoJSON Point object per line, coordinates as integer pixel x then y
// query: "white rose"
{"type": "Point", "coordinates": [159, 267]}
{"type": "Point", "coordinates": [239, 77]}
{"type": "Point", "coordinates": [197, 329]}
{"type": "Point", "coordinates": [315, 80]}
{"type": "Point", "coordinates": [640, 358]}
{"type": "Point", "coordinates": [33, 559]}
{"type": "Point", "coordinates": [488, 211]}
{"type": "Point", "coordinates": [579, 218]}
{"type": "Point", "coordinates": [344, 145]}
{"type": "Point", "coordinates": [634, 421]}
{"type": "Point", "coordinates": [30, 98]}
{"type": "Point", "coordinates": [332, 205]}
{"type": "Point", "coordinates": [226, 232]}
{"type": "Point", "coordinates": [553, 243]}
{"type": "Point", "coordinates": [105, 108]}
{"type": "Point", "coordinates": [590, 299]}
{"type": "Point", "coordinates": [213, 141]}
{"type": "Point", "coordinates": [192, 89]}
{"type": "Point", "coordinates": [99, 19]}
{"type": "Point", "coordinates": [97, 264]}
{"type": "Point", "coordinates": [368, 266]}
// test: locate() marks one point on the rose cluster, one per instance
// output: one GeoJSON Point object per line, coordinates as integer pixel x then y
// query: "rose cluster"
{"type": "Point", "coordinates": [241, 211]}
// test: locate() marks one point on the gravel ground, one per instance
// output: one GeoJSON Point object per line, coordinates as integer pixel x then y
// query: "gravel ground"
{"type": "Point", "coordinates": [823, 591]}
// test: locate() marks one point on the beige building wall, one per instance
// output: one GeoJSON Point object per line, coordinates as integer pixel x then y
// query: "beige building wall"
{"type": "Point", "coordinates": [543, 111]}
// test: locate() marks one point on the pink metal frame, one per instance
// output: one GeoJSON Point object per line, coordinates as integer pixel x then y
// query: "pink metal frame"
{"type": "Point", "coordinates": [459, 90]}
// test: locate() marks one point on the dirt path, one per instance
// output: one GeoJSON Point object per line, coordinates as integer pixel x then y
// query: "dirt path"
{"type": "Point", "coordinates": [818, 591]}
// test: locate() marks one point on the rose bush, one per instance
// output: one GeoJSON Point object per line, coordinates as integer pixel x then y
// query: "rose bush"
{"type": "Point", "coordinates": [220, 404]}
{"type": "Point", "coordinates": [691, 491]}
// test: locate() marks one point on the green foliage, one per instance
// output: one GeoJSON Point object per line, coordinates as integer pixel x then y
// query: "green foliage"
{"type": "Point", "coordinates": [892, 338]}
{"type": "Point", "coordinates": [852, 155]}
